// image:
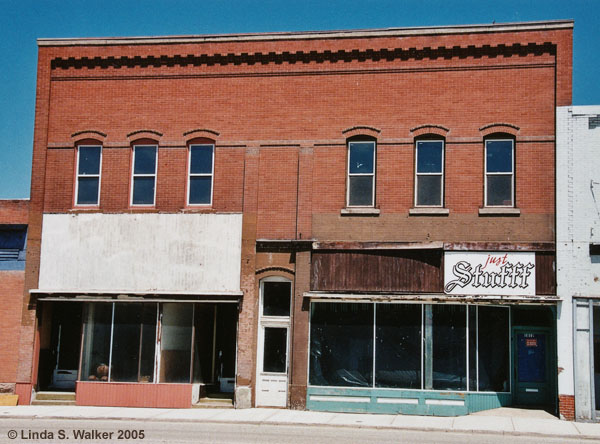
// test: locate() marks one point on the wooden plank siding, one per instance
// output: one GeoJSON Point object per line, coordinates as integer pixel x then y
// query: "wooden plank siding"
{"type": "Point", "coordinates": [380, 271]}
{"type": "Point", "coordinates": [545, 273]}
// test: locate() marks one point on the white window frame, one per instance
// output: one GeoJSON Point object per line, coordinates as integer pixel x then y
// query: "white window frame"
{"type": "Point", "coordinates": [349, 175]}
{"type": "Point", "coordinates": [512, 173]}
{"type": "Point", "coordinates": [78, 176]}
{"type": "Point", "coordinates": [417, 174]}
{"type": "Point", "coordinates": [190, 175]}
{"type": "Point", "coordinates": [133, 175]}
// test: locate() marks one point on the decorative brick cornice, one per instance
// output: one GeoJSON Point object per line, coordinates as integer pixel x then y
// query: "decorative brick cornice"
{"type": "Point", "coordinates": [498, 127]}
{"type": "Point", "coordinates": [265, 58]}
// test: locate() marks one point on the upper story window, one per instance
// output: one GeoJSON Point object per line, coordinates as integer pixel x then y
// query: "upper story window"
{"type": "Point", "coordinates": [143, 187]}
{"type": "Point", "coordinates": [12, 247]}
{"type": "Point", "coordinates": [429, 173]}
{"type": "Point", "coordinates": [361, 174]}
{"type": "Point", "coordinates": [201, 170]}
{"type": "Point", "coordinates": [499, 173]}
{"type": "Point", "coordinates": [89, 166]}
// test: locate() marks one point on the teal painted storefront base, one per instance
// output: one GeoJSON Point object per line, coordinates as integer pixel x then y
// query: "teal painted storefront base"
{"type": "Point", "coordinates": [407, 402]}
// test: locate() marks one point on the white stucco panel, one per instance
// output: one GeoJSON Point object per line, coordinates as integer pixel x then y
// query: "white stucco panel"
{"type": "Point", "coordinates": [197, 253]}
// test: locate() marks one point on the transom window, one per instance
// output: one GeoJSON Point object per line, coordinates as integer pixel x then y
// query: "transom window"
{"type": "Point", "coordinates": [201, 170]}
{"type": "Point", "coordinates": [361, 174]}
{"type": "Point", "coordinates": [499, 173]}
{"type": "Point", "coordinates": [143, 190]}
{"type": "Point", "coordinates": [429, 170]}
{"type": "Point", "coordinates": [89, 165]}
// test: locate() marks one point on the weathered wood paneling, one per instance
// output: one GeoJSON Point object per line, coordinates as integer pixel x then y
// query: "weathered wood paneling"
{"type": "Point", "coordinates": [134, 395]}
{"type": "Point", "coordinates": [545, 276]}
{"type": "Point", "coordinates": [397, 271]}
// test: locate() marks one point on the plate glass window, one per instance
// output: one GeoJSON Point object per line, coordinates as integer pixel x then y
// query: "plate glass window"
{"type": "Point", "coordinates": [144, 175]}
{"type": "Point", "coordinates": [429, 173]}
{"type": "Point", "coordinates": [89, 161]}
{"type": "Point", "coordinates": [361, 174]}
{"type": "Point", "coordinates": [201, 174]}
{"type": "Point", "coordinates": [499, 173]}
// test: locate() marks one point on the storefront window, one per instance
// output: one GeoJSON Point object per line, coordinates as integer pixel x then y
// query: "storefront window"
{"type": "Point", "coordinates": [97, 327]}
{"type": "Point", "coordinates": [449, 347]}
{"type": "Point", "coordinates": [341, 344]}
{"type": "Point", "coordinates": [493, 349]}
{"type": "Point", "coordinates": [176, 343]}
{"type": "Point", "coordinates": [398, 346]}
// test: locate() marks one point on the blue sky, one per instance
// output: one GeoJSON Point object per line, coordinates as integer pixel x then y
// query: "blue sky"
{"type": "Point", "coordinates": [23, 21]}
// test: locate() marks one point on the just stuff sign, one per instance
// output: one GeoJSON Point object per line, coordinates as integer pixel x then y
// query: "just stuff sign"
{"type": "Point", "coordinates": [489, 273]}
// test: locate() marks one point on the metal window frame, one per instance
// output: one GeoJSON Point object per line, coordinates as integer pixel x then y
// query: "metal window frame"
{"type": "Point", "coordinates": [190, 175]}
{"type": "Point", "coordinates": [487, 174]}
{"type": "Point", "coordinates": [349, 174]}
{"type": "Point", "coordinates": [134, 175]}
{"type": "Point", "coordinates": [417, 174]}
{"type": "Point", "coordinates": [79, 176]}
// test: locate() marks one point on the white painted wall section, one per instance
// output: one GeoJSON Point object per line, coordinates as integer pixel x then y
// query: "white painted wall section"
{"type": "Point", "coordinates": [194, 253]}
{"type": "Point", "coordinates": [578, 225]}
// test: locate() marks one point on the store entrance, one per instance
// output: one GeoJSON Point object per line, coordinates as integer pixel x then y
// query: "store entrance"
{"type": "Point", "coordinates": [60, 343]}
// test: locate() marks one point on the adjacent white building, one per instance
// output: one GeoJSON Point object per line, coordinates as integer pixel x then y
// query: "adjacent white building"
{"type": "Point", "coordinates": [578, 257]}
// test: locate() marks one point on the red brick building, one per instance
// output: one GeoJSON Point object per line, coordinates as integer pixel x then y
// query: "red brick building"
{"type": "Point", "coordinates": [344, 220]}
{"type": "Point", "coordinates": [13, 240]}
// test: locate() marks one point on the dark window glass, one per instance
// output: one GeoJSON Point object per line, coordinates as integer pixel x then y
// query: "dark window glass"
{"type": "Point", "coordinates": [126, 342]}
{"type": "Point", "coordinates": [145, 160]}
{"type": "Point", "coordinates": [361, 157]}
{"type": "Point", "coordinates": [341, 344]}
{"type": "Point", "coordinates": [499, 156]}
{"type": "Point", "coordinates": [398, 346]}
{"type": "Point", "coordinates": [472, 348]}
{"type": "Point", "coordinates": [429, 156]}
{"type": "Point", "coordinates": [143, 190]}
{"type": "Point", "coordinates": [275, 350]}
{"type": "Point", "coordinates": [89, 160]}
{"type": "Point", "coordinates": [148, 345]}
{"type": "Point", "coordinates": [96, 342]}
{"type": "Point", "coordinates": [499, 190]}
{"type": "Point", "coordinates": [87, 190]}
{"type": "Point", "coordinates": [201, 159]}
{"type": "Point", "coordinates": [361, 190]}
{"type": "Point", "coordinates": [494, 351]}
{"type": "Point", "coordinates": [200, 189]}
{"type": "Point", "coordinates": [13, 238]}
{"type": "Point", "coordinates": [276, 298]}
{"type": "Point", "coordinates": [429, 190]}
{"type": "Point", "coordinates": [449, 347]}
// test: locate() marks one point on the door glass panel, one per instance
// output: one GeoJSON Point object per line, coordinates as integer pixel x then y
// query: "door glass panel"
{"type": "Point", "coordinates": [531, 349]}
{"type": "Point", "coordinates": [176, 342]}
{"type": "Point", "coordinates": [276, 298]}
{"type": "Point", "coordinates": [275, 350]}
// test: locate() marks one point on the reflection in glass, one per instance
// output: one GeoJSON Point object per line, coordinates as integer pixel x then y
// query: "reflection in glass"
{"type": "Point", "coordinates": [341, 344]}
{"type": "Point", "coordinates": [275, 350]}
{"type": "Point", "coordinates": [429, 190]}
{"type": "Point", "coordinates": [143, 190]}
{"type": "Point", "coordinates": [96, 341]}
{"type": "Point", "coordinates": [201, 159]}
{"type": "Point", "coordinates": [429, 156]}
{"type": "Point", "coordinates": [361, 190]}
{"type": "Point", "coordinates": [145, 160]}
{"type": "Point", "coordinates": [89, 160]}
{"type": "Point", "coordinates": [87, 190]}
{"type": "Point", "coordinates": [176, 342]}
{"type": "Point", "coordinates": [499, 156]}
{"type": "Point", "coordinates": [499, 190]}
{"type": "Point", "coordinates": [361, 157]}
{"type": "Point", "coordinates": [449, 347]}
{"type": "Point", "coordinates": [200, 189]}
{"type": "Point", "coordinates": [398, 346]}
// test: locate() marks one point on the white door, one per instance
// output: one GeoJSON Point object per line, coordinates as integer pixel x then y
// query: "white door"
{"type": "Point", "coordinates": [273, 342]}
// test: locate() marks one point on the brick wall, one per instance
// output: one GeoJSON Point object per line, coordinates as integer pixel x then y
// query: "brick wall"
{"type": "Point", "coordinates": [566, 407]}
{"type": "Point", "coordinates": [11, 294]}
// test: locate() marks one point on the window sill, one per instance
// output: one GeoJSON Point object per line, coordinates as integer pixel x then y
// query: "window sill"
{"type": "Point", "coordinates": [429, 211]}
{"type": "Point", "coordinates": [360, 211]}
{"type": "Point", "coordinates": [499, 211]}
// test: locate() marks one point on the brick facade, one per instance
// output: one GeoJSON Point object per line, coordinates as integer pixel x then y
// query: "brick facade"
{"type": "Point", "coordinates": [279, 109]}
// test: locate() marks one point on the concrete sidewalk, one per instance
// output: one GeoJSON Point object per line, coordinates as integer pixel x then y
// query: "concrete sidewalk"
{"type": "Point", "coordinates": [507, 421]}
